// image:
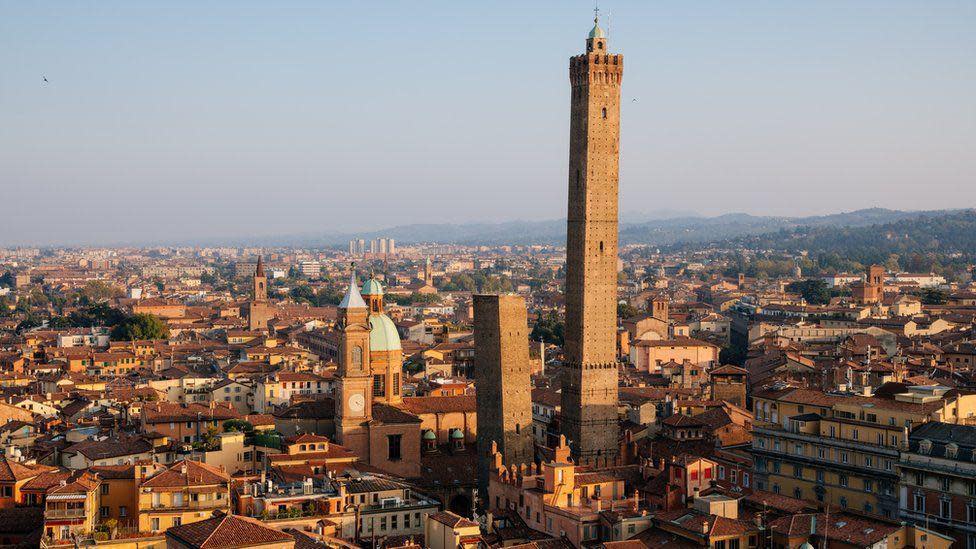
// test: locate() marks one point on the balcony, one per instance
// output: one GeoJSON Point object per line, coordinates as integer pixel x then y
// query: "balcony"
{"type": "Point", "coordinates": [826, 440]}
{"type": "Point", "coordinates": [64, 513]}
{"type": "Point", "coordinates": [940, 465]}
{"type": "Point", "coordinates": [190, 505]}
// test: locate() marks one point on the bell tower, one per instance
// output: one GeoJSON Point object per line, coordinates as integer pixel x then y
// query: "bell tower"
{"type": "Point", "coordinates": [258, 311]}
{"type": "Point", "coordinates": [589, 395]}
{"type": "Point", "coordinates": [354, 400]}
{"type": "Point", "coordinates": [259, 292]}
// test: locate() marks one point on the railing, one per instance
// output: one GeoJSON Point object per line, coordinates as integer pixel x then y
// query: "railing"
{"type": "Point", "coordinates": [824, 440]}
{"type": "Point", "coordinates": [64, 513]}
{"type": "Point", "coordinates": [186, 504]}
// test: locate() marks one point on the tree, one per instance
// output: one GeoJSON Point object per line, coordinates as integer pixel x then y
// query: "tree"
{"type": "Point", "coordinates": [934, 296]}
{"type": "Point", "coordinates": [626, 310]}
{"type": "Point", "coordinates": [96, 291]}
{"type": "Point", "coordinates": [732, 354]}
{"type": "Point", "coordinates": [549, 328]}
{"type": "Point", "coordinates": [814, 290]}
{"type": "Point", "coordinates": [303, 294]}
{"type": "Point", "coordinates": [140, 326]}
{"type": "Point", "coordinates": [428, 299]}
{"type": "Point", "coordinates": [238, 425]}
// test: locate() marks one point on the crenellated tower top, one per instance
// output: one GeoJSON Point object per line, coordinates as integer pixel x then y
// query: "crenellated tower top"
{"type": "Point", "coordinates": [597, 65]}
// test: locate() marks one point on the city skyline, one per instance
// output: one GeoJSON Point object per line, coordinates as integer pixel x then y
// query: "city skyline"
{"type": "Point", "coordinates": [210, 123]}
{"type": "Point", "coordinates": [582, 378]}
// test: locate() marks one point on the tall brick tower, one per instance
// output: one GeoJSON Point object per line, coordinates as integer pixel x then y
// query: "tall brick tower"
{"type": "Point", "coordinates": [258, 311]}
{"type": "Point", "coordinates": [589, 385]}
{"type": "Point", "coordinates": [502, 373]}
{"type": "Point", "coordinates": [354, 399]}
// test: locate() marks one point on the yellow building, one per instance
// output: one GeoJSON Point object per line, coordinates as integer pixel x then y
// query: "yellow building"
{"type": "Point", "coordinates": [445, 530]}
{"type": "Point", "coordinates": [843, 449]}
{"type": "Point", "coordinates": [185, 492]}
{"type": "Point", "coordinates": [118, 494]}
{"type": "Point", "coordinates": [71, 508]}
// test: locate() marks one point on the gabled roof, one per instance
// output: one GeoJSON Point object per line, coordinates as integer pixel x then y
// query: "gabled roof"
{"type": "Point", "coordinates": [451, 520]}
{"type": "Point", "coordinates": [227, 531]}
{"type": "Point", "coordinates": [12, 471]}
{"type": "Point", "coordinates": [188, 473]}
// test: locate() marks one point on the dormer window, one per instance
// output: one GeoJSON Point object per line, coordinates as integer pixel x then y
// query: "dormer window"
{"type": "Point", "coordinates": [925, 446]}
{"type": "Point", "coordinates": [952, 449]}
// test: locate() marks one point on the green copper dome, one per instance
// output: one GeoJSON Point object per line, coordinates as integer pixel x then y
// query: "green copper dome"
{"type": "Point", "coordinates": [429, 435]}
{"type": "Point", "coordinates": [457, 434]}
{"type": "Point", "coordinates": [597, 32]}
{"type": "Point", "coordinates": [372, 287]}
{"type": "Point", "coordinates": [383, 334]}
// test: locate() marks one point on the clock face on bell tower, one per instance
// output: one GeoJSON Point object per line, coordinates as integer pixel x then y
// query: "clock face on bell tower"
{"type": "Point", "coordinates": [357, 402]}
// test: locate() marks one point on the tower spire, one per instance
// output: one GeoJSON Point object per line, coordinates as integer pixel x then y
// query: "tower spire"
{"type": "Point", "coordinates": [353, 299]}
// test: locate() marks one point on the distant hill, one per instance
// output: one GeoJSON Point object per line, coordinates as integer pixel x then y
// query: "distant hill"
{"type": "Point", "coordinates": [666, 228]}
{"type": "Point", "coordinates": [664, 231]}
{"type": "Point", "coordinates": [943, 233]}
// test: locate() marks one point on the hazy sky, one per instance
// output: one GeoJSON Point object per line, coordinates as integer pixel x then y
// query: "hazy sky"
{"type": "Point", "coordinates": [230, 118]}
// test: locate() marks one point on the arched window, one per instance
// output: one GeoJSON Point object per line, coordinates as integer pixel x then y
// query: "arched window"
{"type": "Point", "coordinates": [357, 356]}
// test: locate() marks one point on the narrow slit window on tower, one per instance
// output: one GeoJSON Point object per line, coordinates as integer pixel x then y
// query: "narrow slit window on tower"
{"type": "Point", "coordinates": [604, 113]}
{"type": "Point", "coordinates": [601, 246]}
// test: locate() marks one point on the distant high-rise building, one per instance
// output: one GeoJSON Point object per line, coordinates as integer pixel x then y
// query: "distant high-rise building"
{"type": "Point", "coordinates": [391, 247]}
{"type": "Point", "coordinates": [589, 387]}
{"type": "Point", "coordinates": [352, 247]}
{"type": "Point", "coordinates": [310, 269]}
{"type": "Point", "coordinates": [360, 246]}
{"type": "Point", "coordinates": [502, 373]}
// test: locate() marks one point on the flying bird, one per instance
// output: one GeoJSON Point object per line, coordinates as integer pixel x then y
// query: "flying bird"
{"type": "Point", "coordinates": [45, 79]}
{"type": "Point", "coordinates": [634, 100]}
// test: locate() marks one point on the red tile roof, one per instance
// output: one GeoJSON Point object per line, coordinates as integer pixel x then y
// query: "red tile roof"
{"type": "Point", "coordinates": [188, 473]}
{"type": "Point", "coordinates": [226, 531]}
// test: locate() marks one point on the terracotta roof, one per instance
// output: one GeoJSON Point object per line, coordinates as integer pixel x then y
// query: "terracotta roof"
{"type": "Point", "coordinates": [854, 530]}
{"type": "Point", "coordinates": [188, 473]}
{"type": "Point", "coordinates": [681, 420]}
{"type": "Point", "coordinates": [80, 484]}
{"type": "Point", "coordinates": [103, 449]}
{"type": "Point", "coordinates": [729, 369]}
{"type": "Point", "coordinates": [306, 437]}
{"type": "Point", "coordinates": [385, 413]}
{"type": "Point", "coordinates": [126, 471]}
{"type": "Point", "coordinates": [694, 521]}
{"type": "Point", "coordinates": [451, 520]}
{"type": "Point", "coordinates": [439, 405]}
{"type": "Point", "coordinates": [12, 471]}
{"type": "Point", "coordinates": [46, 480]}
{"type": "Point", "coordinates": [227, 531]}
{"type": "Point", "coordinates": [167, 412]}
